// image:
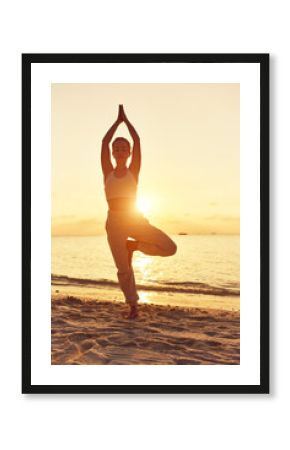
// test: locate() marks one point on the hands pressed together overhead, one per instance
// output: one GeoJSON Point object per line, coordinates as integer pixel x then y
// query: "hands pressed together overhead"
{"type": "Point", "coordinates": [121, 115]}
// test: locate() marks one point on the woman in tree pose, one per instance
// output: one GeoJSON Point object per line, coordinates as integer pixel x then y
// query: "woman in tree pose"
{"type": "Point", "coordinates": [123, 219]}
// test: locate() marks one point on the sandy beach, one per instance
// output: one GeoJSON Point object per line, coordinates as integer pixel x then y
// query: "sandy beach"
{"type": "Point", "coordinates": [91, 331]}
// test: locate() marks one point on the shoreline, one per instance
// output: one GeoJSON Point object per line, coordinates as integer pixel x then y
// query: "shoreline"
{"type": "Point", "coordinates": [216, 302]}
{"type": "Point", "coordinates": [88, 331]}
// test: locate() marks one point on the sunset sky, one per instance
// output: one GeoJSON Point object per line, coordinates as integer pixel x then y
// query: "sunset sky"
{"type": "Point", "coordinates": [190, 141]}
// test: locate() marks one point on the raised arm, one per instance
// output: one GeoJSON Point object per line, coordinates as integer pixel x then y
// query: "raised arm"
{"type": "Point", "coordinates": [107, 165]}
{"type": "Point", "coordinates": [136, 153]}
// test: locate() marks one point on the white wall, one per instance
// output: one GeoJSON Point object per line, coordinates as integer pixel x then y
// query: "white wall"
{"type": "Point", "coordinates": [74, 422]}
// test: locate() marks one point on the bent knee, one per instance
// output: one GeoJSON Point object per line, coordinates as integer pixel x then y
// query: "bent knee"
{"type": "Point", "coordinates": [172, 249]}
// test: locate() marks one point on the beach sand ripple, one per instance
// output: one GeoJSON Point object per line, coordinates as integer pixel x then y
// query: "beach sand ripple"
{"type": "Point", "coordinates": [86, 331]}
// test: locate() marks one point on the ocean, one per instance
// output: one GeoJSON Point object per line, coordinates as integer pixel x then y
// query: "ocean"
{"type": "Point", "coordinates": [204, 272]}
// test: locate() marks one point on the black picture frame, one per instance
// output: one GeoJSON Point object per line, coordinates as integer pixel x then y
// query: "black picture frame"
{"type": "Point", "coordinates": [233, 58]}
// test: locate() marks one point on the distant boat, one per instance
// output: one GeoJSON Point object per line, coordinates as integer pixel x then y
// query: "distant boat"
{"type": "Point", "coordinates": [182, 234]}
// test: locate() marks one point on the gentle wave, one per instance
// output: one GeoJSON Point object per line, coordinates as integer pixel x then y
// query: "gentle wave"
{"type": "Point", "coordinates": [187, 287]}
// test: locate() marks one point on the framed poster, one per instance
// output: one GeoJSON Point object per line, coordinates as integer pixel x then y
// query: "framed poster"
{"type": "Point", "coordinates": [145, 223]}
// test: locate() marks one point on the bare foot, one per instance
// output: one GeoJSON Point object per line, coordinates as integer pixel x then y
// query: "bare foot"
{"type": "Point", "coordinates": [131, 247]}
{"type": "Point", "coordinates": [133, 313]}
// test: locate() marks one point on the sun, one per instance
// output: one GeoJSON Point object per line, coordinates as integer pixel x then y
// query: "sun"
{"type": "Point", "coordinates": [144, 205]}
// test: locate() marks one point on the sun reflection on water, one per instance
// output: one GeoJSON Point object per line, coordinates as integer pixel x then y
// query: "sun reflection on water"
{"type": "Point", "coordinates": [144, 297]}
{"type": "Point", "coordinates": [143, 268]}
{"type": "Point", "coordinates": [143, 264]}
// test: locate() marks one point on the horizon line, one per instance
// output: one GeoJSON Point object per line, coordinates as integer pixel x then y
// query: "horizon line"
{"type": "Point", "coordinates": [176, 234]}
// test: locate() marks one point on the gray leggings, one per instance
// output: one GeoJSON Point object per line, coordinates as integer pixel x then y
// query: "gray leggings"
{"type": "Point", "coordinates": [119, 226]}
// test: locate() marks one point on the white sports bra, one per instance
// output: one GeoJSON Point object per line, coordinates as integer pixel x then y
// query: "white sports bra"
{"type": "Point", "coordinates": [116, 187]}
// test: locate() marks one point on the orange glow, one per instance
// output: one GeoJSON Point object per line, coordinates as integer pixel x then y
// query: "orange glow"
{"type": "Point", "coordinates": [190, 144]}
{"type": "Point", "coordinates": [144, 204]}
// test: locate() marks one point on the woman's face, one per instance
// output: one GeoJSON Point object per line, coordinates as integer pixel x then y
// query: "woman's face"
{"type": "Point", "coordinates": [121, 151]}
